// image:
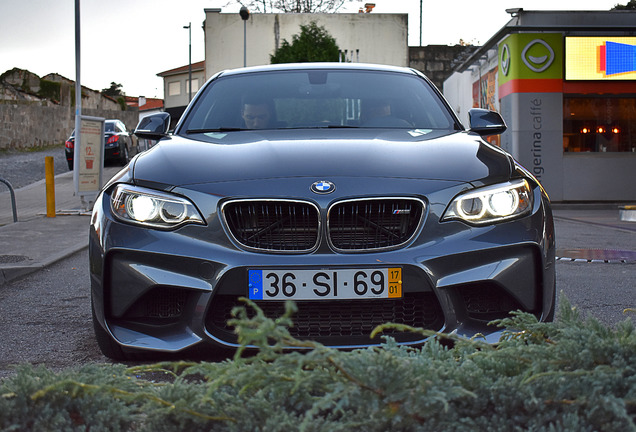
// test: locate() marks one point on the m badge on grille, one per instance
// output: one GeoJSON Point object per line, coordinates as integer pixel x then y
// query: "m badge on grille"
{"type": "Point", "coordinates": [402, 211]}
{"type": "Point", "coordinates": [323, 187]}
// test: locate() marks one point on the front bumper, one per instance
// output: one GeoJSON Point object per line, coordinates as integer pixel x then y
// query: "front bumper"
{"type": "Point", "coordinates": [169, 291]}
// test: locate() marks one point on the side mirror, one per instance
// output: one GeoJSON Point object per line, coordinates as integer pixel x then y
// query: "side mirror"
{"type": "Point", "coordinates": [154, 127]}
{"type": "Point", "coordinates": [484, 122]}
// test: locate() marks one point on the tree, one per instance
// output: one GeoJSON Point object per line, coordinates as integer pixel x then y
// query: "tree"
{"type": "Point", "coordinates": [113, 90]}
{"type": "Point", "coordinates": [294, 6]}
{"type": "Point", "coordinates": [313, 44]}
{"type": "Point", "coordinates": [631, 5]}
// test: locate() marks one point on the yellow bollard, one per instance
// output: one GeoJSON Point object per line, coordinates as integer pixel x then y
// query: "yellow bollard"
{"type": "Point", "coordinates": [49, 175]}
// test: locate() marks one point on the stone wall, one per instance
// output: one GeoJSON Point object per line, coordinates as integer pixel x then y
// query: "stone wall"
{"type": "Point", "coordinates": [438, 61]}
{"type": "Point", "coordinates": [24, 125]}
{"type": "Point", "coordinates": [91, 99]}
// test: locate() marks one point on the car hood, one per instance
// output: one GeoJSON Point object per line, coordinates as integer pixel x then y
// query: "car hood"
{"type": "Point", "coordinates": [321, 154]}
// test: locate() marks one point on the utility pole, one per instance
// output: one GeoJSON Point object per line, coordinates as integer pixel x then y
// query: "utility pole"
{"type": "Point", "coordinates": [421, 20]}
{"type": "Point", "coordinates": [245, 15]}
{"type": "Point", "coordinates": [78, 103]}
{"type": "Point", "coordinates": [189, 27]}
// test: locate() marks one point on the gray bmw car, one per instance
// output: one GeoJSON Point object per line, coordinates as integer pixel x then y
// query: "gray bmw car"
{"type": "Point", "coordinates": [351, 189]}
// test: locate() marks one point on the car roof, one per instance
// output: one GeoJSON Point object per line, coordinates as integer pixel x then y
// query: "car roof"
{"type": "Point", "coordinates": [317, 66]}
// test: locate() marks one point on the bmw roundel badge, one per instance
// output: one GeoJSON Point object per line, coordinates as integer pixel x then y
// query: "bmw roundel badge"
{"type": "Point", "coordinates": [323, 187]}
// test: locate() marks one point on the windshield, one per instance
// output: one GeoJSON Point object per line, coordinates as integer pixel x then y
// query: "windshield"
{"type": "Point", "coordinates": [318, 98]}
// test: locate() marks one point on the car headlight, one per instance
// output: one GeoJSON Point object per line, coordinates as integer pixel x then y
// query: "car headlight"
{"type": "Point", "coordinates": [152, 208]}
{"type": "Point", "coordinates": [492, 203]}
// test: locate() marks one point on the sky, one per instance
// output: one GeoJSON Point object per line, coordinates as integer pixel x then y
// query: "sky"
{"type": "Point", "coordinates": [130, 41]}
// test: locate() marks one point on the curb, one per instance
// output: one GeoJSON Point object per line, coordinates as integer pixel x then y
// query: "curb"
{"type": "Point", "coordinates": [12, 273]}
{"type": "Point", "coordinates": [627, 213]}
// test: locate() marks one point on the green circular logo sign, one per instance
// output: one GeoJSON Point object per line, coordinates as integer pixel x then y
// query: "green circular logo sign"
{"type": "Point", "coordinates": [505, 59]}
{"type": "Point", "coordinates": [537, 55]}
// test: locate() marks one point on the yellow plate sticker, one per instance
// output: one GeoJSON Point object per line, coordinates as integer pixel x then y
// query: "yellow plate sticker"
{"type": "Point", "coordinates": [395, 282]}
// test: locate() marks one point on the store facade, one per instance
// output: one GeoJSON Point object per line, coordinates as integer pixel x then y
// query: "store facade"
{"type": "Point", "coordinates": [565, 82]}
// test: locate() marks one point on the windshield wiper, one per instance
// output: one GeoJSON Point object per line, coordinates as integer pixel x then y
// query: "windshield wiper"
{"type": "Point", "coordinates": [221, 129]}
{"type": "Point", "coordinates": [331, 126]}
{"type": "Point", "coordinates": [234, 129]}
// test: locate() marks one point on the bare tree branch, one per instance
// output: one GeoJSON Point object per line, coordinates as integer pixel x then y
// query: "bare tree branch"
{"type": "Point", "coordinates": [293, 6]}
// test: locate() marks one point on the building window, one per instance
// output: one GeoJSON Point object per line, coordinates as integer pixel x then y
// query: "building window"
{"type": "Point", "coordinates": [599, 124]}
{"type": "Point", "coordinates": [195, 85]}
{"type": "Point", "coordinates": [174, 88]}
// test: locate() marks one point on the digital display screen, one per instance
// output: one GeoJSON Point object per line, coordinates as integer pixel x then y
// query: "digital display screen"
{"type": "Point", "coordinates": [600, 58]}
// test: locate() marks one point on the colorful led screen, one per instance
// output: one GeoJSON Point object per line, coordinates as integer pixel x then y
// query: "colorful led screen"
{"type": "Point", "coordinates": [600, 58]}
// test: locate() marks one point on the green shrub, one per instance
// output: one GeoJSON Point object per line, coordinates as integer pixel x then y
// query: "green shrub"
{"type": "Point", "coordinates": [122, 103]}
{"type": "Point", "coordinates": [313, 44]}
{"type": "Point", "coordinates": [50, 90]}
{"type": "Point", "coordinates": [574, 375]}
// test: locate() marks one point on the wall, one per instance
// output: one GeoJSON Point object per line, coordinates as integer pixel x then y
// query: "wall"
{"type": "Point", "coordinates": [26, 120]}
{"type": "Point", "coordinates": [599, 176]}
{"type": "Point", "coordinates": [91, 99]}
{"type": "Point", "coordinates": [458, 94]}
{"type": "Point", "coordinates": [31, 125]}
{"type": "Point", "coordinates": [379, 38]}
{"type": "Point", "coordinates": [437, 61]}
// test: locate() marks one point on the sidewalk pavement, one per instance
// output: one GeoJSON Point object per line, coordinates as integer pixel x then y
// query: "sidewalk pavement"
{"type": "Point", "coordinates": [36, 241]}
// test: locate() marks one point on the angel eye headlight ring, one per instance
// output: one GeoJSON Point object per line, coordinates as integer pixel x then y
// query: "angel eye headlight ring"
{"type": "Point", "coordinates": [151, 208]}
{"type": "Point", "coordinates": [491, 204]}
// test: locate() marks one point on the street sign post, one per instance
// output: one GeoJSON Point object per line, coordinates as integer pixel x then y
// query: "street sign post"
{"type": "Point", "coordinates": [88, 161]}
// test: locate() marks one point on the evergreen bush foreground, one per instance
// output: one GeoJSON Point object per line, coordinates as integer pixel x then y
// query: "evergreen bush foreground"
{"type": "Point", "coordinates": [574, 375]}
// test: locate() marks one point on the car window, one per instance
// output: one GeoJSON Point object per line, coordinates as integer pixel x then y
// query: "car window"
{"type": "Point", "coordinates": [318, 98]}
{"type": "Point", "coordinates": [109, 127]}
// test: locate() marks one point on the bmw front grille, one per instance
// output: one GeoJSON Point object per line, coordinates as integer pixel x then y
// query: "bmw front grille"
{"type": "Point", "coordinates": [359, 225]}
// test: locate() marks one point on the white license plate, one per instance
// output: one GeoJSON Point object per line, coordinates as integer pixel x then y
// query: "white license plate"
{"type": "Point", "coordinates": [325, 284]}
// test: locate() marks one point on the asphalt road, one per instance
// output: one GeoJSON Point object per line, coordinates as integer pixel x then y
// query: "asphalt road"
{"type": "Point", "coordinates": [23, 168]}
{"type": "Point", "coordinates": [45, 318]}
{"type": "Point", "coordinates": [599, 289]}
{"type": "Point", "coordinates": [602, 291]}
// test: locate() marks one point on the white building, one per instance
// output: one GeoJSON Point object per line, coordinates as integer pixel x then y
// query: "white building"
{"type": "Point", "coordinates": [176, 87]}
{"type": "Point", "coordinates": [361, 37]}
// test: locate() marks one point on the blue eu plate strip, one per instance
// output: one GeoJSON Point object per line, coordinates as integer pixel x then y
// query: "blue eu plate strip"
{"type": "Point", "coordinates": [256, 284]}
